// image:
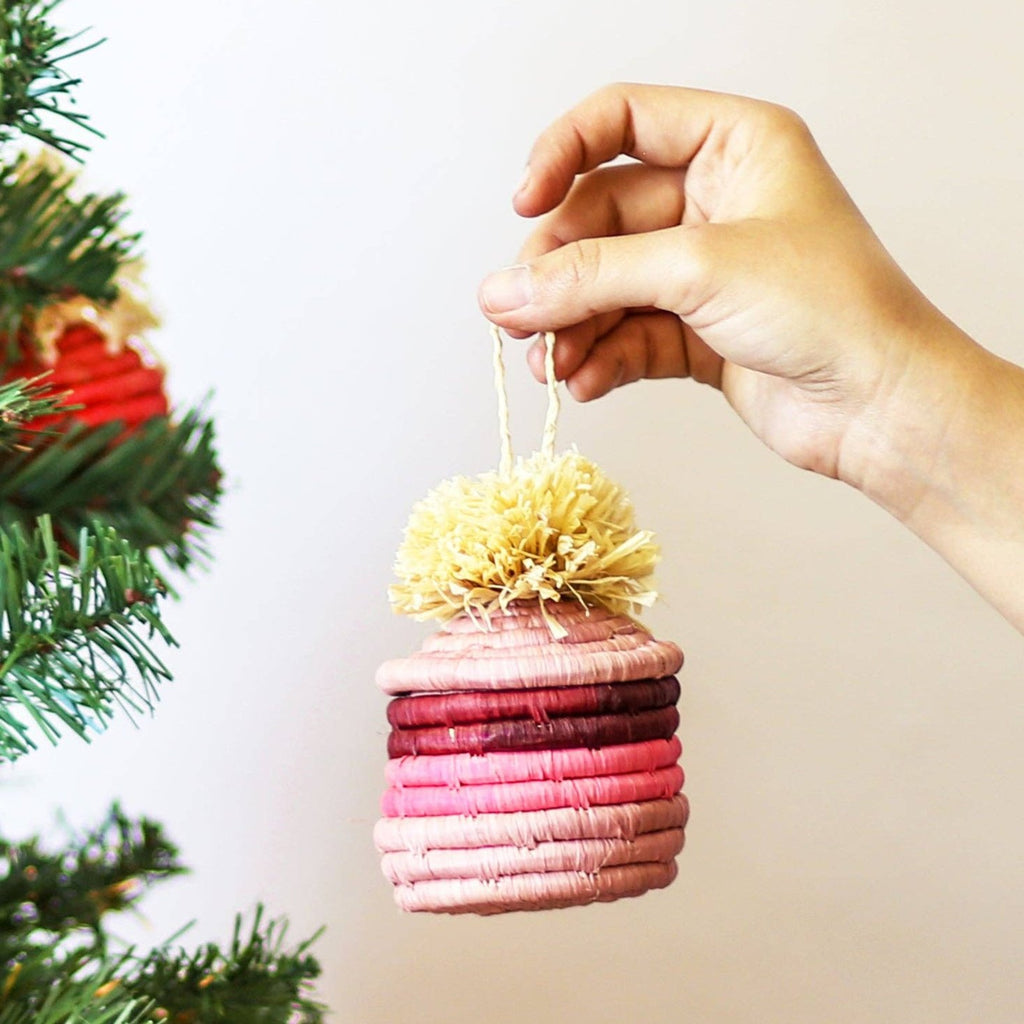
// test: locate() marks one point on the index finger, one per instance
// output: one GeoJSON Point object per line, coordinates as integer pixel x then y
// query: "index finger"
{"type": "Point", "coordinates": [665, 126]}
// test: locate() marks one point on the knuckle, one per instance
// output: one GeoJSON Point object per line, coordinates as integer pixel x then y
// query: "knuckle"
{"type": "Point", "coordinates": [582, 263]}
{"type": "Point", "coordinates": [611, 92]}
{"type": "Point", "coordinates": [784, 121]}
{"type": "Point", "coordinates": [686, 290]}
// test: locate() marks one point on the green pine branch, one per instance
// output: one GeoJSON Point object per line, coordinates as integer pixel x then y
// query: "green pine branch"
{"type": "Point", "coordinates": [106, 869]}
{"type": "Point", "coordinates": [256, 980]}
{"type": "Point", "coordinates": [56, 966]}
{"type": "Point", "coordinates": [74, 634]}
{"type": "Point", "coordinates": [35, 90]}
{"type": "Point", "coordinates": [54, 244]}
{"type": "Point", "coordinates": [22, 401]}
{"type": "Point", "coordinates": [158, 486]}
{"type": "Point", "coordinates": [64, 996]}
{"type": "Point", "coordinates": [53, 960]}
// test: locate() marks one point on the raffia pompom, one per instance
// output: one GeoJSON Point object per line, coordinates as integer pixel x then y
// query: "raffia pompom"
{"type": "Point", "coordinates": [551, 529]}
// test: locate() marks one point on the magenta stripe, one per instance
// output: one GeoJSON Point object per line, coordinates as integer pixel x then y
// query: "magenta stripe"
{"type": "Point", "coordinates": [532, 796]}
{"type": "Point", "coordinates": [454, 770]}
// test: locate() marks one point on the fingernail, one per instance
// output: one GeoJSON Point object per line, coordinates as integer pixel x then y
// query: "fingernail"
{"type": "Point", "coordinates": [524, 181]}
{"type": "Point", "coordinates": [506, 290]}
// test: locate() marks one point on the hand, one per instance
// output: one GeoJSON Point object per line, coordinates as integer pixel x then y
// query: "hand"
{"type": "Point", "coordinates": [730, 253]}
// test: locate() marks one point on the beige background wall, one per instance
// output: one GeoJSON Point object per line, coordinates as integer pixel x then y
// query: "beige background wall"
{"type": "Point", "coordinates": [322, 185]}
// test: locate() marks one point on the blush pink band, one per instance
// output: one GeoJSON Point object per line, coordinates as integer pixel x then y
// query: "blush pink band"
{"type": "Point", "coordinates": [493, 862]}
{"type": "Point", "coordinates": [532, 796]}
{"type": "Point", "coordinates": [528, 828]}
{"type": "Point", "coordinates": [454, 770]}
{"type": "Point", "coordinates": [533, 892]}
{"type": "Point", "coordinates": [516, 650]}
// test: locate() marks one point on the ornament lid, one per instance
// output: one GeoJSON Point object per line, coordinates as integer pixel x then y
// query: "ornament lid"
{"type": "Point", "coordinates": [516, 649]}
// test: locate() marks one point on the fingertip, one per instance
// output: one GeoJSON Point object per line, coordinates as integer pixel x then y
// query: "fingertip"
{"type": "Point", "coordinates": [526, 204]}
{"type": "Point", "coordinates": [541, 188]}
{"type": "Point", "coordinates": [521, 196]}
{"type": "Point", "coordinates": [505, 291]}
{"type": "Point", "coordinates": [579, 389]}
{"type": "Point", "coordinates": [535, 361]}
{"type": "Point", "coordinates": [525, 199]}
{"type": "Point", "coordinates": [585, 386]}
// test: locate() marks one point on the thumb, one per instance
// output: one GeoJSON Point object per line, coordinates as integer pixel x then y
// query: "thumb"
{"type": "Point", "coordinates": [669, 269]}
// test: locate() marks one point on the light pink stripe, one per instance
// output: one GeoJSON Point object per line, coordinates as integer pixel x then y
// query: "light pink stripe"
{"type": "Point", "coordinates": [533, 892]}
{"type": "Point", "coordinates": [528, 828]}
{"type": "Point", "coordinates": [517, 651]}
{"type": "Point", "coordinates": [532, 796]}
{"type": "Point", "coordinates": [614, 661]}
{"type": "Point", "coordinates": [454, 770]}
{"type": "Point", "coordinates": [493, 862]}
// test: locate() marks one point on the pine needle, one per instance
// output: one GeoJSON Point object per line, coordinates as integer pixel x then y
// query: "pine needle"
{"type": "Point", "coordinates": [53, 242]}
{"type": "Point", "coordinates": [35, 90]}
{"type": "Point", "coordinates": [256, 979]}
{"type": "Point", "coordinates": [22, 401]}
{"type": "Point", "coordinates": [103, 869]}
{"type": "Point", "coordinates": [71, 645]}
{"type": "Point", "coordinates": [158, 486]}
{"type": "Point", "coordinates": [56, 964]}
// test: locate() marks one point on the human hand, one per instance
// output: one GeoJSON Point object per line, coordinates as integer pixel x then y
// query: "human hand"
{"type": "Point", "coordinates": [729, 253]}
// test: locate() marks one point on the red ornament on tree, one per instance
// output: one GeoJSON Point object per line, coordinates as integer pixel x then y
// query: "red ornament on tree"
{"type": "Point", "coordinates": [108, 381]}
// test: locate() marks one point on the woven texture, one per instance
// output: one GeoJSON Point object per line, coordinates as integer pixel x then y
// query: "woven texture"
{"type": "Point", "coordinates": [108, 385]}
{"type": "Point", "coordinates": [536, 705]}
{"type": "Point", "coordinates": [530, 767]}
{"type": "Point", "coordinates": [529, 828]}
{"type": "Point", "coordinates": [542, 891]}
{"type": "Point", "coordinates": [587, 856]}
{"type": "Point", "coordinates": [503, 797]}
{"type": "Point", "coordinates": [588, 731]}
{"type": "Point", "coordinates": [454, 770]}
{"type": "Point", "coordinates": [517, 650]}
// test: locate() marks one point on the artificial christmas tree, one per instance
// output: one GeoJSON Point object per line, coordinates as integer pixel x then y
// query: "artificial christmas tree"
{"type": "Point", "coordinates": [103, 489]}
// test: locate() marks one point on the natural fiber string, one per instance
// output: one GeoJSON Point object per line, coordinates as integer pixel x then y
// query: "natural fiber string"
{"type": "Point", "coordinates": [503, 423]}
{"type": "Point", "coordinates": [547, 445]}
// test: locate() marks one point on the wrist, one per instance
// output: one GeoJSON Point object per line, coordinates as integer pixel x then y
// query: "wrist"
{"type": "Point", "coordinates": [924, 415]}
{"type": "Point", "coordinates": [942, 449]}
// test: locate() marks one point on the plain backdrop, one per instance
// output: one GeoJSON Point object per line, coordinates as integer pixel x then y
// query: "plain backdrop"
{"type": "Point", "coordinates": [322, 185]}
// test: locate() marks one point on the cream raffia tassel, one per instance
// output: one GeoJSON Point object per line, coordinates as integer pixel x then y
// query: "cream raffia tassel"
{"type": "Point", "coordinates": [545, 528]}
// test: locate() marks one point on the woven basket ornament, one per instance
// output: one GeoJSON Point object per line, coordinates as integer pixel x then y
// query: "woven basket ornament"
{"type": "Point", "coordinates": [533, 757]}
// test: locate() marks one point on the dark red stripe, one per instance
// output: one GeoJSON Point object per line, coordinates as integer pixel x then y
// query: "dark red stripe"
{"type": "Point", "coordinates": [557, 734]}
{"type": "Point", "coordinates": [537, 705]}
